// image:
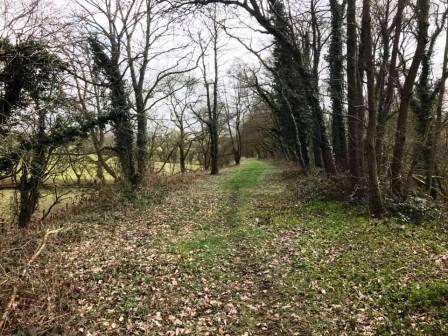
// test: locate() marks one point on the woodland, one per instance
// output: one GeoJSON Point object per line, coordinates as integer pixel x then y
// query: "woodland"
{"type": "Point", "coordinates": [223, 167]}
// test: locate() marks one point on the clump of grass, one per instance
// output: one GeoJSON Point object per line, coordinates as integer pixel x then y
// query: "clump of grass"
{"type": "Point", "coordinates": [418, 309]}
{"type": "Point", "coordinates": [208, 247]}
{"type": "Point", "coordinates": [247, 178]}
{"type": "Point", "coordinates": [429, 297]}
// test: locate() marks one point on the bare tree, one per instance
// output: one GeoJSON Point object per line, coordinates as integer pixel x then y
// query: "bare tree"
{"type": "Point", "coordinates": [237, 105]}
{"type": "Point", "coordinates": [181, 102]}
{"type": "Point", "coordinates": [134, 36]}
{"type": "Point", "coordinates": [422, 14]}
{"type": "Point", "coordinates": [212, 110]}
{"type": "Point", "coordinates": [375, 197]}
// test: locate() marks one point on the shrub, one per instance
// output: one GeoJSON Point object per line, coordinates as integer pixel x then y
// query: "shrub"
{"type": "Point", "coordinates": [414, 210]}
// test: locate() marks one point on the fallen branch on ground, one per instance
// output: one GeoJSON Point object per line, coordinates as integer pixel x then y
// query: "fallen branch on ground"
{"type": "Point", "coordinates": [10, 306]}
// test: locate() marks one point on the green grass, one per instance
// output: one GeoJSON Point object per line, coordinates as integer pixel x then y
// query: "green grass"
{"type": "Point", "coordinates": [424, 301]}
{"type": "Point", "coordinates": [221, 236]}
{"type": "Point", "coordinates": [209, 247]}
{"type": "Point", "coordinates": [247, 177]}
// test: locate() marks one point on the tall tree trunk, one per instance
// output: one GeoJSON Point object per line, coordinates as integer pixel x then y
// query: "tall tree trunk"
{"type": "Point", "coordinates": [354, 98]}
{"type": "Point", "coordinates": [99, 162]}
{"type": "Point", "coordinates": [317, 152]}
{"type": "Point", "coordinates": [422, 12]}
{"type": "Point", "coordinates": [337, 84]}
{"type": "Point", "coordinates": [323, 152]}
{"type": "Point", "coordinates": [183, 168]}
{"type": "Point", "coordinates": [434, 140]}
{"type": "Point", "coordinates": [239, 141]}
{"type": "Point", "coordinates": [385, 101]}
{"type": "Point", "coordinates": [375, 198]}
{"type": "Point", "coordinates": [124, 138]}
{"type": "Point", "coordinates": [123, 128]}
{"type": "Point", "coordinates": [423, 110]}
{"type": "Point", "coordinates": [322, 138]}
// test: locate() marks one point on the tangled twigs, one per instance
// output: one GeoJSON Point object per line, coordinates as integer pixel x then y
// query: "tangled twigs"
{"type": "Point", "coordinates": [10, 306]}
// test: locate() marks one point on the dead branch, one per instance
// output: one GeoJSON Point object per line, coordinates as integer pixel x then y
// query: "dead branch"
{"type": "Point", "coordinates": [11, 303]}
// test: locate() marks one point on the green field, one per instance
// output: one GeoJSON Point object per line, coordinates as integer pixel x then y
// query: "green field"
{"type": "Point", "coordinates": [66, 181]}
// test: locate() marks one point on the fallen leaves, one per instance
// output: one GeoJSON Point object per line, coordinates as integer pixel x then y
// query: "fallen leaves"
{"type": "Point", "coordinates": [228, 255]}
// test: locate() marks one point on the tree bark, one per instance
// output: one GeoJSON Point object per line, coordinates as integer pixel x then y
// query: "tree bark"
{"type": "Point", "coordinates": [375, 198]}
{"type": "Point", "coordinates": [430, 169]}
{"type": "Point", "coordinates": [354, 98]}
{"type": "Point", "coordinates": [214, 150]}
{"type": "Point", "coordinates": [385, 101]}
{"type": "Point", "coordinates": [401, 129]}
{"type": "Point", "coordinates": [337, 84]}
{"type": "Point", "coordinates": [31, 178]}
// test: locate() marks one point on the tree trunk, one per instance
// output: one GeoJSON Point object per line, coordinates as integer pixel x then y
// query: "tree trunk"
{"type": "Point", "coordinates": [401, 129]}
{"type": "Point", "coordinates": [385, 101]}
{"type": "Point", "coordinates": [183, 168]}
{"type": "Point", "coordinates": [31, 180]}
{"type": "Point", "coordinates": [142, 142]}
{"type": "Point", "coordinates": [322, 138]}
{"type": "Point", "coordinates": [214, 150]}
{"type": "Point", "coordinates": [323, 153]}
{"type": "Point", "coordinates": [434, 140]}
{"type": "Point", "coordinates": [337, 84]}
{"type": "Point", "coordinates": [354, 98]}
{"type": "Point", "coordinates": [317, 153]}
{"type": "Point", "coordinates": [375, 198]}
{"type": "Point", "coordinates": [237, 157]}
{"type": "Point", "coordinates": [124, 143]}
{"type": "Point", "coordinates": [124, 132]}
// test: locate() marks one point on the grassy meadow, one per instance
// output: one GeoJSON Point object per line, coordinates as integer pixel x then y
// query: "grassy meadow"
{"type": "Point", "coordinates": [65, 180]}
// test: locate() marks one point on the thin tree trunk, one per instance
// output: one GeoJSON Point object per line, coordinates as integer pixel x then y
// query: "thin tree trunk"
{"type": "Point", "coordinates": [214, 151]}
{"type": "Point", "coordinates": [142, 143]}
{"type": "Point", "coordinates": [401, 129]}
{"type": "Point", "coordinates": [386, 103]}
{"type": "Point", "coordinates": [430, 169]}
{"type": "Point", "coordinates": [182, 156]}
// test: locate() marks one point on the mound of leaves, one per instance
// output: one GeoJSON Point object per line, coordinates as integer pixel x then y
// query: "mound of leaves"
{"type": "Point", "coordinates": [336, 188]}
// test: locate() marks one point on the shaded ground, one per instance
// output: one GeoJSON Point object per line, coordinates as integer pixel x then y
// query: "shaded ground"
{"type": "Point", "coordinates": [238, 254]}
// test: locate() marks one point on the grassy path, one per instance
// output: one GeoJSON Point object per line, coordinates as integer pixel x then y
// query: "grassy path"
{"type": "Point", "coordinates": [238, 254]}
